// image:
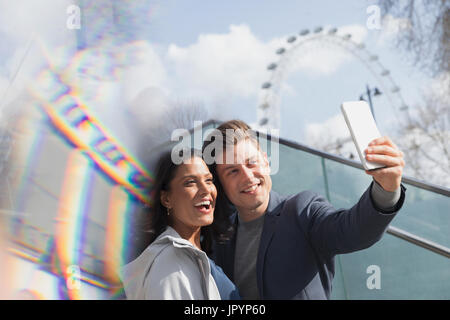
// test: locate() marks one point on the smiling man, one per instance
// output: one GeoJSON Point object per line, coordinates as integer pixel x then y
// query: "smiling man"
{"type": "Point", "coordinates": [283, 247]}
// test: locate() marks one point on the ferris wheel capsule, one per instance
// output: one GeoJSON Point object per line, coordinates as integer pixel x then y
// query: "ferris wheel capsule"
{"type": "Point", "coordinates": [347, 36]}
{"type": "Point", "coordinates": [318, 29]}
{"type": "Point", "coordinates": [291, 39]}
{"type": "Point", "coordinates": [385, 72]}
{"type": "Point", "coordinates": [263, 121]}
{"type": "Point", "coordinates": [304, 32]}
{"type": "Point", "coordinates": [332, 31]}
{"type": "Point", "coordinates": [281, 51]}
{"type": "Point", "coordinates": [272, 66]}
{"type": "Point", "coordinates": [361, 46]}
{"type": "Point", "coordinates": [266, 85]}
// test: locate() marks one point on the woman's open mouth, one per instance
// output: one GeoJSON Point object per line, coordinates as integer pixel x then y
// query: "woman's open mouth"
{"type": "Point", "coordinates": [204, 206]}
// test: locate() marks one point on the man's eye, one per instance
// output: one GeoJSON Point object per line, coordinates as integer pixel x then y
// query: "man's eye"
{"type": "Point", "coordinates": [189, 182]}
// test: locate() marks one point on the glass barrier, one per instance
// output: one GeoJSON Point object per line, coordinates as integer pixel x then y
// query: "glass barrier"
{"type": "Point", "coordinates": [406, 271]}
{"type": "Point", "coordinates": [392, 269]}
{"type": "Point", "coordinates": [424, 213]}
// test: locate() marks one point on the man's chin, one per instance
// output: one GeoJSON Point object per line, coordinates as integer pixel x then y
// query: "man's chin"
{"type": "Point", "coordinates": [252, 205]}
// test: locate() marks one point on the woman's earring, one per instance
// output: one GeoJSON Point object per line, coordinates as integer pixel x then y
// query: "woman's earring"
{"type": "Point", "coordinates": [168, 211]}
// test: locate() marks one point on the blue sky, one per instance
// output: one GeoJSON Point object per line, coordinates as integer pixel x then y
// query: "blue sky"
{"type": "Point", "coordinates": [316, 97]}
{"type": "Point", "coordinates": [216, 52]}
{"type": "Point", "coordinates": [183, 21]}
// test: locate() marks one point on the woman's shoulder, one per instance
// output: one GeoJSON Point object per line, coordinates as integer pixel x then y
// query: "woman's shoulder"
{"type": "Point", "coordinates": [174, 275]}
{"type": "Point", "coordinates": [161, 248]}
{"type": "Point", "coordinates": [174, 253]}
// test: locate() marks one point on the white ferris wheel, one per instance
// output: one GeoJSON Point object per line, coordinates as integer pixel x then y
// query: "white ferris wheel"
{"type": "Point", "coordinates": [268, 111]}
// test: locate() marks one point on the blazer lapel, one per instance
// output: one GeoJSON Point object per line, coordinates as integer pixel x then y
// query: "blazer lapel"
{"type": "Point", "coordinates": [230, 250]}
{"type": "Point", "coordinates": [270, 222]}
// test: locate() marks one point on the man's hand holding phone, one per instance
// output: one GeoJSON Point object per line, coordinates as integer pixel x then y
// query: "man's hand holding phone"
{"type": "Point", "coordinates": [384, 151]}
{"type": "Point", "coordinates": [379, 156]}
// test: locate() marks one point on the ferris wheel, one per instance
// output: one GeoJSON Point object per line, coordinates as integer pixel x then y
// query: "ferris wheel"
{"type": "Point", "coordinates": [268, 111]}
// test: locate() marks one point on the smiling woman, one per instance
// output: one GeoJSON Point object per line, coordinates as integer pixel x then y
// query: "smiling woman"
{"type": "Point", "coordinates": [175, 265]}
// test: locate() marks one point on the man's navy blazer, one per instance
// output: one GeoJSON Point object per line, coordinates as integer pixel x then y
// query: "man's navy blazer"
{"type": "Point", "coordinates": [301, 235]}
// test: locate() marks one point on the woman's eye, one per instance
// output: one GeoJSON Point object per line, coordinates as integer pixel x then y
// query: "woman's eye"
{"type": "Point", "coordinates": [189, 182]}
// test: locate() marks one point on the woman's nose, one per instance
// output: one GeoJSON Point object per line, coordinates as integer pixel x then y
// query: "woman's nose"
{"type": "Point", "coordinates": [205, 188]}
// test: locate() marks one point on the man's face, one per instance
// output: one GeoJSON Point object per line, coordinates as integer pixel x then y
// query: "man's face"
{"type": "Point", "coordinates": [245, 177]}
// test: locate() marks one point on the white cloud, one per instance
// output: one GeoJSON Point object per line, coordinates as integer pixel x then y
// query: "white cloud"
{"type": "Point", "coordinates": [21, 67]}
{"type": "Point", "coordinates": [150, 71]}
{"type": "Point", "coordinates": [24, 24]}
{"type": "Point", "coordinates": [232, 63]}
{"type": "Point", "coordinates": [326, 135]}
{"type": "Point", "coordinates": [46, 18]}
{"type": "Point", "coordinates": [148, 106]}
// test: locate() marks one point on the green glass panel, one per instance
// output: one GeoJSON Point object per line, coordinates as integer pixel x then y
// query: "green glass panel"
{"type": "Point", "coordinates": [346, 184]}
{"type": "Point", "coordinates": [298, 171]}
{"type": "Point", "coordinates": [406, 271]}
{"type": "Point", "coordinates": [425, 214]}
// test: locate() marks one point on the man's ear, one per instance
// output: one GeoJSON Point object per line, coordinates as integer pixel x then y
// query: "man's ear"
{"type": "Point", "coordinates": [164, 197]}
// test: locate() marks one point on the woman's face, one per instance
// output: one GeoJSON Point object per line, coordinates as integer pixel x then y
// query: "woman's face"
{"type": "Point", "coordinates": [192, 196]}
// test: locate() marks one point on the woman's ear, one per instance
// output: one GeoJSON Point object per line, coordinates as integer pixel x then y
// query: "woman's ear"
{"type": "Point", "coordinates": [165, 199]}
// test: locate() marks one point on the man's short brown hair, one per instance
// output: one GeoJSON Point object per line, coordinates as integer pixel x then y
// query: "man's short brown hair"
{"type": "Point", "coordinates": [229, 133]}
{"type": "Point", "coordinates": [232, 132]}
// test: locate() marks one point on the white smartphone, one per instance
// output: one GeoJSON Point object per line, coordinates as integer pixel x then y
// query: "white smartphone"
{"type": "Point", "coordinates": [362, 127]}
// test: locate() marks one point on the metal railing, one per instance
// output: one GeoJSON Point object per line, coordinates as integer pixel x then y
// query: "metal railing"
{"type": "Point", "coordinates": [399, 233]}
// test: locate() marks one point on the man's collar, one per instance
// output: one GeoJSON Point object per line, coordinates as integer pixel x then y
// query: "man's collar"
{"type": "Point", "coordinates": [273, 207]}
{"type": "Point", "coordinates": [275, 200]}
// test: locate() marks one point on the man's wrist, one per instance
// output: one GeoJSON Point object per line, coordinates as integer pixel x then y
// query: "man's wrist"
{"type": "Point", "coordinates": [383, 199]}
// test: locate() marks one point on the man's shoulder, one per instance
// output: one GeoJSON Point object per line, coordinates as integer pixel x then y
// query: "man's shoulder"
{"type": "Point", "coordinates": [282, 202]}
{"type": "Point", "coordinates": [302, 199]}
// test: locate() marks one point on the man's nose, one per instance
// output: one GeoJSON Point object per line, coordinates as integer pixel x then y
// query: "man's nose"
{"type": "Point", "coordinates": [247, 173]}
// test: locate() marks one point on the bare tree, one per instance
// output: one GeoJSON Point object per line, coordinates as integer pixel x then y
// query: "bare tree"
{"type": "Point", "coordinates": [424, 136]}
{"type": "Point", "coordinates": [427, 36]}
{"type": "Point", "coordinates": [183, 114]}
{"type": "Point", "coordinates": [157, 126]}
